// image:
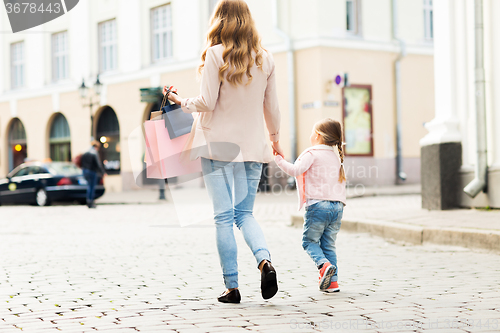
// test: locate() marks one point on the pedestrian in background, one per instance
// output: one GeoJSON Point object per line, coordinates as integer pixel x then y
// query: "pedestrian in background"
{"type": "Point", "coordinates": [238, 92]}
{"type": "Point", "coordinates": [321, 182]}
{"type": "Point", "coordinates": [92, 169]}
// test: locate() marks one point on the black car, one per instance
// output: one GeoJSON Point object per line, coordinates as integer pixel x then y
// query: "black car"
{"type": "Point", "coordinates": [42, 183]}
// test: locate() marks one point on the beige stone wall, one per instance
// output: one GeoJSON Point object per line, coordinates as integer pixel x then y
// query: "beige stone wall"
{"type": "Point", "coordinates": [4, 121]}
{"type": "Point", "coordinates": [417, 74]}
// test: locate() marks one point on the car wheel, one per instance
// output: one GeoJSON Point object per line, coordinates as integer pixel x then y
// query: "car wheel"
{"type": "Point", "coordinates": [41, 198]}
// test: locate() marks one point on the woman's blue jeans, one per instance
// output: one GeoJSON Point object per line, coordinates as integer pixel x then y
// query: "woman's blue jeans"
{"type": "Point", "coordinates": [322, 224]}
{"type": "Point", "coordinates": [232, 187]}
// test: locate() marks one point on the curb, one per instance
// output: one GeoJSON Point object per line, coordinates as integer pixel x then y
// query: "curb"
{"type": "Point", "coordinates": [469, 238]}
{"type": "Point", "coordinates": [130, 203]}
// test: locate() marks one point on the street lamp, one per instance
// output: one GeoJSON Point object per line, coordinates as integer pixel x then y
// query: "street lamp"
{"type": "Point", "coordinates": [83, 94]}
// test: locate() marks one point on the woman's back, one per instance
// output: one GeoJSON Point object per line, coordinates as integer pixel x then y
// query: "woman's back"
{"type": "Point", "coordinates": [235, 112]}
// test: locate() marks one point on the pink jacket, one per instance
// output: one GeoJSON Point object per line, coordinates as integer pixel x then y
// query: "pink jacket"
{"type": "Point", "coordinates": [231, 118]}
{"type": "Point", "coordinates": [317, 174]}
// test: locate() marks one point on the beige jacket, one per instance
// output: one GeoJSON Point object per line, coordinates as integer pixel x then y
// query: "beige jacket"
{"type": "Point", "coordinates": [229, 125]}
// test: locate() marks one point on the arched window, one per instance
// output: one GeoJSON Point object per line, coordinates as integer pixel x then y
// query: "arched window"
{"type": "Point", "coordinates": [108, 133]}
{"type": "Point", "coordinates": [60, 140]}
{"type": "Point", "coordinates": [17, 144]}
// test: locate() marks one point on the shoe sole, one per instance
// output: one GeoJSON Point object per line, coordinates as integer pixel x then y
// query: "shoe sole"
{"type": "Point", "coordinates": [336, 290]}
{"type": "Point", "coordinates": [270, 285]}
{"type": "Point", "coordinates": [325, 282]}
{"type": "Point", "coordinates": [227, 302]}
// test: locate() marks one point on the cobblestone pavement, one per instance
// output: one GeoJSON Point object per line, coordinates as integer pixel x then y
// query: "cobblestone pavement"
{"type": "Point", "coordinates": [129, 268]}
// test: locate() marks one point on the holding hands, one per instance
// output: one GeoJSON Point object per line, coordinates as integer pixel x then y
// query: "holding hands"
{"type": "Point", "coordinates": [172, 94]}
{"type": "Point", "coordinates": [277, 150]}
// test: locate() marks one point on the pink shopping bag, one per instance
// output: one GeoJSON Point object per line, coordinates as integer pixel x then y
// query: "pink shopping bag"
{"type": "Point", "coordinates": [163, 154]}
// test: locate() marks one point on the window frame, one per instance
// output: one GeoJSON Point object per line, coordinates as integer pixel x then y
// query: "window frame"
{"type": "Point", "coordinates": [17, 66]}
{"type": "Point", "coordinates": [57, 54]}
{"type": "Point", "coordinates": [428, 20]}
{"type": "Point", "coordinates": [356, 6]}
{"type": "Point", "coordinates": [108, 62]}
{"type": "Point", "coordinates": [166, 30]}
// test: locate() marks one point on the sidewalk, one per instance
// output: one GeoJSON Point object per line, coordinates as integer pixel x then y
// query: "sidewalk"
{"type": "Point", "coordinates": [392, 212]}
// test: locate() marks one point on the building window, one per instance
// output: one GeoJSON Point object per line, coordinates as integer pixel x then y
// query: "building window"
{"type": "Point", "coordinates": [17, 65]}
{"type": "Point", "coordinates": [60, 140]}
{"type": "Point", "coordinates": [358, 120]}
{"type": "Point", "coordinates": [108, 46]}
{"type": "Point", "coordinates": [211, 6]}
{"type": "Point", "coordinates": [353, 16]}
{"type": "Point", "coordinates": [108, 133]}
{"type": "Point", "coordinates": [60, 56]}
{"type": "Point", "coordinates": [162, 35]}
{"type": "Point", "coordinates": [17, 144]}
{"type": "Point", "coordinates": [428, 20]}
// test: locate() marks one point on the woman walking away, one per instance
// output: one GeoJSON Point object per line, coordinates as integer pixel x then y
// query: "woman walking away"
{"type": "Point", "coordinates": [321, 182]}
{"type": "Point", "coordinates": [238, 92]}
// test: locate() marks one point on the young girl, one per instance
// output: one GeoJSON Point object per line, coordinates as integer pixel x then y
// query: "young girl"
{"type": "Point", "coordinates": [320, 176]}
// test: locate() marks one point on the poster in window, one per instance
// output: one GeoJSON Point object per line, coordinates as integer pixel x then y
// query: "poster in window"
{"type": "Point", "coordinates": [358, 121]}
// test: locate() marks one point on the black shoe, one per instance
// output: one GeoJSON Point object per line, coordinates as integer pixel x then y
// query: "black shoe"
{"type": "Point", "coordinates": [230, 297]}
{"type": "Point", "coordinates": [268, 284]}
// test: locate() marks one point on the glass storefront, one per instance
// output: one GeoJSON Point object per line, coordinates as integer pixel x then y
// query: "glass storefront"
{"type": "Point", "coordinates": [60, 140]}
{"type": "Point", "coordinates": [17, 144]}
{"type": "Point", "coordinates": [108, 133]}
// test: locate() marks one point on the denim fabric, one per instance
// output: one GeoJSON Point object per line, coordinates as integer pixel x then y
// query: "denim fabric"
{"type": "Point", "coordinates": [322, 224]}
{"type": "Point", "coordinates": [91, 178]}
{"type": "Point", "coordinates": [221, 179]}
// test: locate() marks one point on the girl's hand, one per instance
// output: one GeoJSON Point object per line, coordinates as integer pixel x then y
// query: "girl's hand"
{"type": "Point", "coordinates": [277, 150]}
{"type": "Point", "coordinates": [173, 97]}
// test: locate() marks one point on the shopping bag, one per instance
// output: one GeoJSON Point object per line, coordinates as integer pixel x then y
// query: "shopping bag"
{"type": "Point", "coordinates": [163, 154]}
{"type": "Point", "coordinates": [155, 168]}
{"type": "Point", "coordinates": [177, 122]}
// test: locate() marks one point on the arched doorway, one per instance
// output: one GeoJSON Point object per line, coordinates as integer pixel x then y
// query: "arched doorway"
{"type": "Point", "coordinates": [60, 139]}
{"type": "Point", "coordinates": [17, 144]}
{"type": "Point", "coordinates": [108, 133]}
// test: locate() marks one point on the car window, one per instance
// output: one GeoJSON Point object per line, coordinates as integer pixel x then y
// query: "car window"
{"type": "Point", "coordinates": [66, 169]}
{"type": "Point", "coordinates": [22, 172]}
{"type": "Point", "coordinates": [36, 170]}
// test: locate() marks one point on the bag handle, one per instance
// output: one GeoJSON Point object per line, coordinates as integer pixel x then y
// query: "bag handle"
{"type": "Point", "coordinates": [165, 99]}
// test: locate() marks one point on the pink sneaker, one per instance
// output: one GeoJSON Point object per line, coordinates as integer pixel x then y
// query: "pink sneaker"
{"type": "Point", "coordinates": [334, 287]}
{"type": "Point", "coordinates": [325, 275]}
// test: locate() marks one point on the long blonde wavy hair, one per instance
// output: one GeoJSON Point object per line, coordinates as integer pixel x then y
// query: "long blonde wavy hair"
{"type": "Point", "coordinates": [232, 26]}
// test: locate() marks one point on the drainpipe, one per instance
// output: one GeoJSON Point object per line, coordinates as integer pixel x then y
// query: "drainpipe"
{"type": "Point", "coordinates": [291, 79]}
{"type": "Point", "coordinates": [479, 183]}
{"type": "Point", "coordinates": [400, 174]}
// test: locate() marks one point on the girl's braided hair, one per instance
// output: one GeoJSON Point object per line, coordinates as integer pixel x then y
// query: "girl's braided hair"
{"type": "Point", "coordinates": [331, 134]}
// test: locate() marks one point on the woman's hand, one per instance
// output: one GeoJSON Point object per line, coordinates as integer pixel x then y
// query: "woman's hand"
{"type": "Point", "coordinates": [173, 97]}
{"type": "Point", "coordinates": [277, 150]}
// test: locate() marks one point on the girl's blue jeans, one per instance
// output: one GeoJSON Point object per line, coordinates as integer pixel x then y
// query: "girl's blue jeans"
{"type": "Point", "coordinates": [232, 187]}
{"type": "Point", "coordinates": [322, 224]}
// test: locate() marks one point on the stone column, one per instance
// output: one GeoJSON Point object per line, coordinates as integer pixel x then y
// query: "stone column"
{"type": "Point", "coordinates": [441, 149]}
{"type": "Point", "coordinates": [495, 91]}
{"type": "Point", "coordinates": [494, 169]}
